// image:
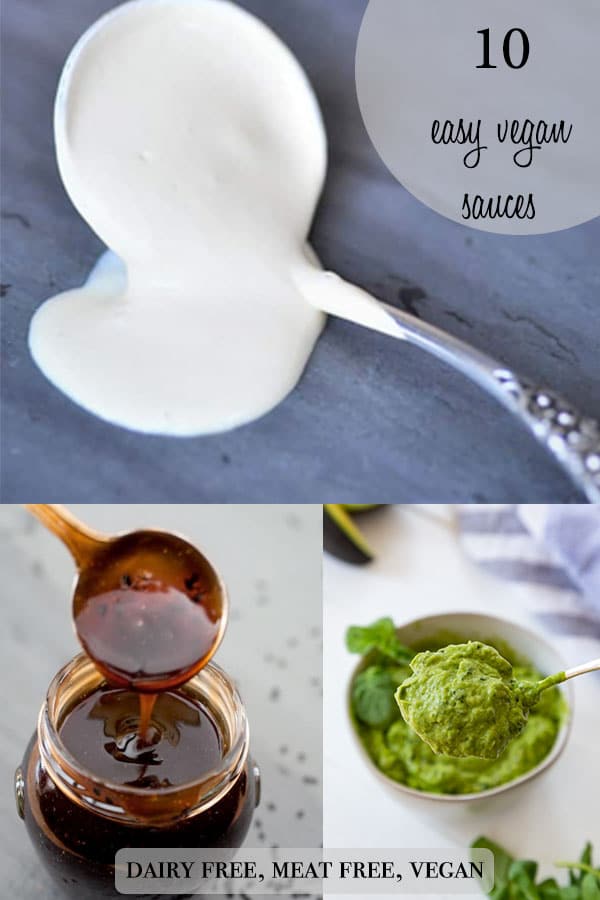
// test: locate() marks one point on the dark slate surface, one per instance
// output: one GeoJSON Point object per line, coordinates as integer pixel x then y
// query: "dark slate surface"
{"type": "Point", "coordinates": [372, 419]}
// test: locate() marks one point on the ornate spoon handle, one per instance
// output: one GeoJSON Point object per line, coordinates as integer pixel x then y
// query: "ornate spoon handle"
{"type": "Point", "coordinates": [573, 439]}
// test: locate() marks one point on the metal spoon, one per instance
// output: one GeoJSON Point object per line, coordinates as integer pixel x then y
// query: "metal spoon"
{"type": "Point", "coordinates": [560, 677]}
{"type": "Point", "coordinates": [148, 607]}
{"type": "Point", "coordinates": [533, 691]}
{"type": "Point", "coordinates": [592, 666]}
{"type": "Point", "coordinates": [573, 439]}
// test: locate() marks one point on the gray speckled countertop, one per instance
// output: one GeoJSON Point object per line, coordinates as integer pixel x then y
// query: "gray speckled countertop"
{"type": "Point", "coordinates": [270, 558]}
{"type": "Point", "coordinates": [371, 419]}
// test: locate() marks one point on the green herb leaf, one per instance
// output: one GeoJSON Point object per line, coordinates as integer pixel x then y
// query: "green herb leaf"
{"type": "Point", "coordinates": [373, 697]}
{"type": "Point", "coordinates": [581, 868]}
{"type": "Point", "coordinates": [515, 879]}
{"type": "Point", "coordinates": [523, 868]}
{"type": "Point", "coordinates": [586, 856]}
{"type": "Point", "coordinates": [590, 887]}
{"type": "Point", "coordinates": [501, 893]}
{"type": "Point", "coordinates": [570, 892]}
{"type": "Point", "coordinates": [502, 863]}
{"type": "Point", "coordinates": [521, 874]}
{"type": "Point", "coordinates": [549, 889]}
{"type": "Point", "coordinates": [381, 636]}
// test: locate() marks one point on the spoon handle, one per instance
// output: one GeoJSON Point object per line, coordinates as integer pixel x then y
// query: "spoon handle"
{"type": "Point", "coordinates": [573, 439]}
{"type": "Point", "coordinates": [592, 666]}
{"type": "Point", "coordinates": [82, 542]}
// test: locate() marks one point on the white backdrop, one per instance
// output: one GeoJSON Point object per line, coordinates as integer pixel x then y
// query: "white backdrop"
{"type": "Point", "coordinates": [421, 569]}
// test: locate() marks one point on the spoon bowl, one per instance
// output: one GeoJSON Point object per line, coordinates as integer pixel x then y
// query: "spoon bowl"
{"type": "Point", "coordinates": [148, 607]}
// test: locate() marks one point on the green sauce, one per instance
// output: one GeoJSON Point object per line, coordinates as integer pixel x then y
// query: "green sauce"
{"type": "Point", "coordinates": [463, 700]}
{"type": "Point", "coordinates": [399, 752]}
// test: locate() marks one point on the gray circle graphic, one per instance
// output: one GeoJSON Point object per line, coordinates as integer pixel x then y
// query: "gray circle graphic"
{"type": "Point", "coordinates": [488, 112]}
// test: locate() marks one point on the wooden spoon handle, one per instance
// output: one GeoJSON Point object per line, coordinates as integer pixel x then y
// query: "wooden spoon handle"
{"type": "Point", "coordinates": [82, 542]}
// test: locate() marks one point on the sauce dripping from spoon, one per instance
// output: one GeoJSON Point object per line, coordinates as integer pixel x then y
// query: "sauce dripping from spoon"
{"type": "Point", "coordinates": [148, 608]}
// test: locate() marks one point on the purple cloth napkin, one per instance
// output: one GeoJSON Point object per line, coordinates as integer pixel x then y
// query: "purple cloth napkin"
{"type": "Point", "coordinates": [557, 547]}
{"type": "Point", "coordinates": [572, 535]}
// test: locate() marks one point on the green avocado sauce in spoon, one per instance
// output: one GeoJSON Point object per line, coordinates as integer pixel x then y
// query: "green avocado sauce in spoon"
{"type": "Point", "coordinates": [463, 700]}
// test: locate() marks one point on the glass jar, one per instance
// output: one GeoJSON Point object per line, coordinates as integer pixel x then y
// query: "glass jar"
{"type": "Point", "coordinates": [78, 821]}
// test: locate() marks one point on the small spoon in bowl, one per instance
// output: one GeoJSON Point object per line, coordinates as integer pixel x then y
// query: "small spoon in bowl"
{"type": "Point", "coordinates": [148, 607]}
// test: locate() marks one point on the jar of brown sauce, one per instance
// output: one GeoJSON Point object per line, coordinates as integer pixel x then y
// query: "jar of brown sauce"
{"type": "Point", "coordinates": [91, 784]}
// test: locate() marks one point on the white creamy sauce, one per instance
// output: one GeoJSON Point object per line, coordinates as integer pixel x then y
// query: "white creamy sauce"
{"type": "Point", "coordinates": [190, 140]}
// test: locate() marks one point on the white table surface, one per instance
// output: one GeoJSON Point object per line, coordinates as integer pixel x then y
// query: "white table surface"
{"type": "Point", "coordinates": [270, 558]}
{"type": "Point", "coordinates": [421, 569]}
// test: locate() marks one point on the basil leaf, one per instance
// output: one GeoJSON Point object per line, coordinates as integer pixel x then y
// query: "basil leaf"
{"type": "Point", "coordinates": [515, 879]}
{"type": "Point", "coordinates": [586, 856]}
{"type": "Point", "coordinates": [381, 636]}
{"type": "Point", "coordinates": [523, 868]}
{"type": "Point", "coordinates": [522, 874]}
{"type": "Point", "coordinates": [502, 863]}
{"type": "Point", "coordinates": [590, 887]}
{"type": "Point", "coordinates": [570, 892]}
{"type": "Point", "coordinates": [549, 889]}
{"type": "Point", "coordinates": [373, 699]}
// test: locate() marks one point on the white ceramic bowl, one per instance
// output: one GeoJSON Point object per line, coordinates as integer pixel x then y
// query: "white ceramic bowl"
{"type": "Point", "coordinates": [475, 626]}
